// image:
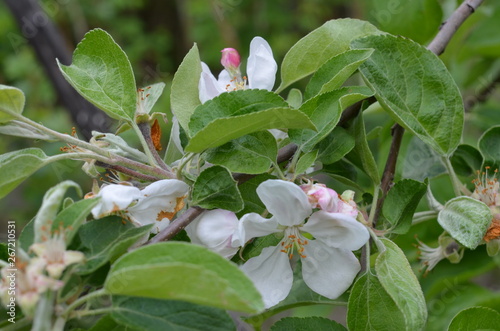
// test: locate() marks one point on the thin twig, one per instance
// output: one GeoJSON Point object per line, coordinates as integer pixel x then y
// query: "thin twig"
{"type": "Point", "coordinates": [127, 171]}
{"type": "Point", "coordinates": [437, 46]}
{"type": "Point", "coordinates": [146, 133]}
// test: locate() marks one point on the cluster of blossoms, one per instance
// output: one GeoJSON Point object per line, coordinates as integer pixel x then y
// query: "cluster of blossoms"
{"type": "Point", "coordinates": [312, 220]}
{"type": "Point", "coordinates": [34, 276]}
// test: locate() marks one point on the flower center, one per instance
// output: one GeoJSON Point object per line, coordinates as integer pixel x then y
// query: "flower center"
{"type": "Point", "coordinates": [293, 239]}
{"type": "Point", "coordinates": [237, 83]}
{"type": "Point", "coordinates": [487, 187]}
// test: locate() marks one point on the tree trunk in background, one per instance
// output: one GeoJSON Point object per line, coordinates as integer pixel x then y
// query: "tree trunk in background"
{"type": "Point", "coordinates": [48, 44]}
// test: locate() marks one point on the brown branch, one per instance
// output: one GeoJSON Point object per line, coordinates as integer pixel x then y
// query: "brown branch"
{"type": "Point", "coordinates": [437, 46]}
{"type": "Point", "coordinates": [126, 171]}
{"type": "Point", "coordinates": [146, 133]}
{"type": "Point", "coordinates": [483, 95]}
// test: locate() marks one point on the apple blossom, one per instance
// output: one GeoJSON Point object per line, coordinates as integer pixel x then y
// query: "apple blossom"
{"type": "Point", "coordinates": [326, 199]}
{"type": "Point", "coordinates": [328, 265]}
{"type": "Point", "coordinates": [261, 71]}
{"type": "Point", "coordinates": [448, 248]}
{"type": "Point", "coordinates": [156, 204]}
{"type": "Point", "coordinates": [217, 230]}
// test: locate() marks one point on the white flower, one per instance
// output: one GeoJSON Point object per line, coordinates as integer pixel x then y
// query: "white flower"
{"type": "Point", "coordinates": [261, 71]}
{"type": "Point", "coordinates": [330, 201]}
{"type": "Point", "coordinates": [55, 257]}
{"type": "Point", "coordinates": [328, 265]}
{"type": "Point", "coordinates": [216, 230]}
{"type": "Point", "coordinates": [447, 249]}
{"type": "Point", "coordinates": [156, 204]}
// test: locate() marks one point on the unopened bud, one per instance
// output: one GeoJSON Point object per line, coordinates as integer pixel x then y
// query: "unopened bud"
{"type": "Point", "coordinates": [230, 59]}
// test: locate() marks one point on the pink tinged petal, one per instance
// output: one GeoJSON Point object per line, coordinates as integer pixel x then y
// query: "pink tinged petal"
{"type": "Point", "coordinates": [271, 274]}
{"type": "Point", "coordinates": [261, 66]}
{"type": "Point", "coordinates": [253, 225]}
{"type": "Point", "coordinates": [230, 58]}
{"type": "Point", "coordinates": [337, 230]}
{"type": "Point", "coordinates": [208, 87]}
{"type": "Point", "coordinates": [115, 197]}
{"type": "Point", "coordinates": [328, 271]}
{"type": "Point", "coordinates": [285, 200]}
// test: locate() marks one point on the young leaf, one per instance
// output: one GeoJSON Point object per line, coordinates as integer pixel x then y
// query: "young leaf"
{"type": "Point", "coordinates": [368, 307]}
{"type": "Point", "coordinates": [324, 111]}
{"type": "Point", "coordinates": [307, 323]}
{"type": "Point", "coordinates": [106, 239]}
{"type": "Point", "coordinates": [312, 51]}
{"type": "Point", "coordinates": [223, 130]}
{"type": "Point", "coordinates": [401, 202]}
{"type": "Point", "coordinates": [72, 217]}
{"type": "Point", "coordinates": [294, 98]}
{"type": "Point", "coordinates": [305, 162]}
{"type": "Point", "coordinates": [216, 188]}
{"type": "Point", "coordinates": [250, 154]}
{"type": "Point", "coordinates": [50, 206]}
{"type": "Point", "coordinates": [233, 104]}
{"type": "Point", "coordinates": [17, 166]}
{"type": "Point", "coordinates": [417, 90]}
{"type": "Point", "coordinates": [361, 153]}
{"type": "Point", "coordinates": [337, 144]}
{"type": "Point", "coordinates": [11, 100]}
{"type": "Point", "coordinates": [489, 146]}
{"type": "Point", "coordinates": [184, 95]}
{"type": "Point", "coordinates": [183, 271]}
{"type": "Point", "coordinates": [155, 314]}
{"type": "Point", "coordinates": [465, 219]}
{"type": "Point", "coordinates": [399, 281]}
{"type": "Point", "coordinates": [466, 160]}
{"type": "Point", "coordinates": [102, 74]}
{"type": "Point", "coordinates": [475, 318]}
{"type": "Point", "coordinates": [421, 161]}
{"type": "Point", "coordinates": [23, 130]}
{"type": "Point", "coordinates": [334, 72]}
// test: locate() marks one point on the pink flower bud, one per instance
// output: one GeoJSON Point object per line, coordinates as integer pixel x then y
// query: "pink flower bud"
{"type": "Point", "coordinates": [347, 205]}
{"type": "Point", "coordinates": [321, 197]}
{"type": "Point", "coordinates": [230, 59]}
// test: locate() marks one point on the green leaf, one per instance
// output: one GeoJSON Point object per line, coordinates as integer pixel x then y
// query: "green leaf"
{"type": "Point", "coordinates": [414, 86]}
{"type": "Point", "coordinates": [151, 94]}
{"type": "Point", "coordinates": [465, 219]}
{"type": "Point", "coordinates": [102, 74]}
{"type": "Point", "coordinates": [72, 217]}
{"type": "Point", "coordinates": [421, 161]}
{"type": "Point", "coordinates": [184, 95]}
{"type": "Point", "coordinates": [216, 188]}
{"type": "Point", "coordinates": [307, 323]}
{"type": "Point", "coordinates": [324, 111]}
{"type": "Point", "coordinates": [223, 130]}
{"type": "Point", "coordinates": [475, 318]}
{"type": "Point", "coordinates": [51, 203]}
{"type": "Point", "coordinates": [401, 202]}
{"type": "Point", "coordinates": [399, 281]}
{"type": "Point", "coordinates": [312, 51]}
{"type": "Point", "coordinates": [250, 154]}
{"type": "Point", "coordinates": [23, 130]}
{"type": "Point", "coordinates": [248, 190]}
{"type": "Point", "coordinates": [154, 314]}
{"type": "Point", "coordinates": [334, 72]}
{"type": "Point", "coordinates": [106, 239]}
{"type": "Point", "coordinates": [231, 104]}
{"type": "Point", "coordinates": [305, 162]}
{"type": "Point", "coordinates": [483, 40]}
{"type": "Point", "coordinates": [370, 306]}
{"type": "Point", "coordinates": [109, 324]}
{"type": "Point", "coordinates": [337, 144]}
{"type": "Point", "coordinates": [466, 160]}
{"type": "Point", "coordinates": [361, 153]}
{"type": "Point", "coordinates": [417, 20]}
{"type": "Point", "coordinates": [183, 271]}
{"type": "Point", "coordinates": [11, 100]}
{"type": "Point", "coordinates": [27, 236]}
{"type": "Point", "coordinates": [294, 98]}
{"type": "Point", "coordinates": [17, 166]}
{"type": "Point", "coordinates": [489, 146]}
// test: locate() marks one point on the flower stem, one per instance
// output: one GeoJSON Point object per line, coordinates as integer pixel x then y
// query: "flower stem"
{"type": "Point", "coordinates": [424, 216]}
{"type": "Point", "coordinates": [80, 301]}
{"type": "Point", "coordinates": [453, 177]}
{"type": "Point", "coordinates": [100, 311]}
{"type": "Point", "coordinates": [373, 211]}
{"type": "Point", "coordinates": [145, 132]}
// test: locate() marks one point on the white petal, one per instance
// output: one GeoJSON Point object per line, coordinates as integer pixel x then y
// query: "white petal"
{"type": "Point", "coordinates": [115, 197]}
{"type": "Point", "coordinates": [261, 66]}
{"type": "Point", "coordinates": [328, 271]}
{"type": "Point", "coordinates": [253, 225]}
{"type": "Point", "coordinates": [271, 274]}
{"type": "Point", "coordinates": [337, 230]}
{"type": "Point", "coordinates": [213, 228]}
{"type": "Point", "coordinates": [208, 87]}
{"type": "Point", "coordinates": [225, 80]}
{"type": "Point", "coordinates": [285, 200]}
{"type": "Point", "coordinates": [169, 188]}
